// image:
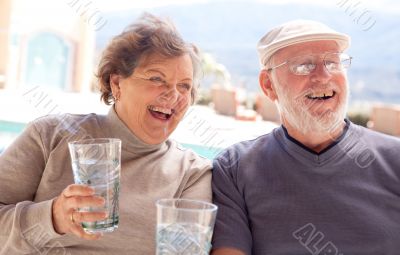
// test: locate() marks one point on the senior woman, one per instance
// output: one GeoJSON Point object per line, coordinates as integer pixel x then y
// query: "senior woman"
{"type": "Point", "coordinates": [150, 76]}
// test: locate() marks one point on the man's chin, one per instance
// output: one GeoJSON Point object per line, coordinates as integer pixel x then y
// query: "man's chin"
{"type": "Point", "coordinates": [327, 126]}
{"type": "Point", "coordinates": [316, 124]}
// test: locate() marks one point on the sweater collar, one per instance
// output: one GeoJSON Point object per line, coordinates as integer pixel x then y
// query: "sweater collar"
{"type": "Point", "coordinates": [130, 142]}
{"type": "Point", "coordinates": [336, 141]}
{"type": "Point", "coordinates": [343, 144]}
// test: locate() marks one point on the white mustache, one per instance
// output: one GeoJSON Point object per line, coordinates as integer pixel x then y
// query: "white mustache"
{"type": "Point", "coordinates": [314, 89]}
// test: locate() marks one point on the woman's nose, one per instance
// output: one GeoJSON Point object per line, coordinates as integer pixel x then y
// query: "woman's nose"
{"type": "Point", "coordinates": [171, 94]}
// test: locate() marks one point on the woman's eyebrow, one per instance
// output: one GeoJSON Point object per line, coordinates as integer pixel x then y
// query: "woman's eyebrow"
{"type": "Point", "coordinates": [164, 76]}
{"type": "Point", "coordinates": [187, 79]}
{"type": "Point", "coordinates": [155, 71]}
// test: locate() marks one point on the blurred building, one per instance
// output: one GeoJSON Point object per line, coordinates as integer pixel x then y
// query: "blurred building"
{"type": "Point", "coordinates": [47, 43]}
{"type": "Point", "coordinates": [385, 118]}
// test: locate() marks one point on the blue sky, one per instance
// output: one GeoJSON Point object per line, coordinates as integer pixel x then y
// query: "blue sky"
{"type": "Point", "coordinates": [391, 6]}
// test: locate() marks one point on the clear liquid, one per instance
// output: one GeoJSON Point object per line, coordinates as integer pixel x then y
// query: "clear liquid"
{"type": "Point", "coordinates": [104, 177]}
{"type": "Point", "coordinates": [183, 239]}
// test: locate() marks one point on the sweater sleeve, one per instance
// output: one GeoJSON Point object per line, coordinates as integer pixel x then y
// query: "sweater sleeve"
{"type": "Point", "coordinates": [26, 226]}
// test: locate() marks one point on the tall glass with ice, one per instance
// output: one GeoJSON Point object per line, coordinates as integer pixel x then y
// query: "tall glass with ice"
{"type": "Point", "coordinates": [184, 226]}
{"type": "Point", "coordinates": [97, 163]}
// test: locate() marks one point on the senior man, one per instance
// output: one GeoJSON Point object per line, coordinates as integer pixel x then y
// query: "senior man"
{"type": "Point", "coordinates": [318, 184]}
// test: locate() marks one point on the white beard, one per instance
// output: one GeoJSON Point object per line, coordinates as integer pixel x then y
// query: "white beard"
{"type": "Point", "coordinates": [297, 109]}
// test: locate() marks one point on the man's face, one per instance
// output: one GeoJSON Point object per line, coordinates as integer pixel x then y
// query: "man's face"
{"type": "Point", "coordinates": [310, 103]}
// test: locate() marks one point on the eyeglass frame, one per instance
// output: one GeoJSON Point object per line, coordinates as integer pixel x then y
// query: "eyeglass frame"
{"type": "Point", "coordinates": [323, 60]}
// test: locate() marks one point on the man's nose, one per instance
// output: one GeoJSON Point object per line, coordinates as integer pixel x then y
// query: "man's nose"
{"type": "Point", "coordinates": [321, 74]}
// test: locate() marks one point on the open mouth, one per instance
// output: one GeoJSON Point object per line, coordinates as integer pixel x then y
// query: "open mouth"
{"type": "Point", "coordinates": [161, 113]}
{"type": "Point", "coordinates": [321, 96]}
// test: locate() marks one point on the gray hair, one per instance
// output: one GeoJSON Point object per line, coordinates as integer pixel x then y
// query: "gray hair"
{"type": "Point", "coordinates": [149, 35]}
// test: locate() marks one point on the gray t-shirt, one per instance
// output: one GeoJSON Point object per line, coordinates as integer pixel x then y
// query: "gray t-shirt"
{"type": "Point", "coordinates": [275, 196]}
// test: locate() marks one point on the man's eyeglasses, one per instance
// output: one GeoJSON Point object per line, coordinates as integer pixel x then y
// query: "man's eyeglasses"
{"type": "Point", "coordinates": [306, 64]}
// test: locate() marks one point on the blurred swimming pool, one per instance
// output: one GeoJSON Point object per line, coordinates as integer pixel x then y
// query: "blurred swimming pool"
{"type": "Point", "coordinates": [208, 152]}
{"type": "Point", "coordinates": [10, 130]}
{"type": "Point", "coordinates": [11, 127]}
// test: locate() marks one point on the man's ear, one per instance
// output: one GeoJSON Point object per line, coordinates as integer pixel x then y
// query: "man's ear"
{"type": "Point", "coordinates": [266, 85]}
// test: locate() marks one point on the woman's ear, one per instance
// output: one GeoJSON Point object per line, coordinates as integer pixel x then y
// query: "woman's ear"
{"type": "Point", "coordinates": [115, 88]}
{"type": "Point", "coordinates": [266, 85]}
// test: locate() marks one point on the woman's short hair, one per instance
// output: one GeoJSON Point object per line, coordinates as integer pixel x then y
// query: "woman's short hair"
{"type": "Point", "coordinates": [149, 35]}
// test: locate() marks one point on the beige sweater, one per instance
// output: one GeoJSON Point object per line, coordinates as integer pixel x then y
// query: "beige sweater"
{"type": "Point", "coordinates": [37, 167]}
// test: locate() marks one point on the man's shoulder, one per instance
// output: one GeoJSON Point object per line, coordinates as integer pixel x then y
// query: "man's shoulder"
{"type": "Point", "coordinates": [377, 139]}
{"type": "Point", "coordinates": [244, 152]}
{"type": "Point", "coordinates": [372, 144]}
{"type": "Point", "coordinates": [251, 146]}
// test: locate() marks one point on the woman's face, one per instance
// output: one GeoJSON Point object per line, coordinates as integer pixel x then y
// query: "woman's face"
{"type": "Point", "coordinates": [153, 100]}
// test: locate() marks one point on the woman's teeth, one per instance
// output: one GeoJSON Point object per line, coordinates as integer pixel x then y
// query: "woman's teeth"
{"type": "Point", "coordinates": [160, 112]}
{"type": "Point", "coordinates": [160, 109]}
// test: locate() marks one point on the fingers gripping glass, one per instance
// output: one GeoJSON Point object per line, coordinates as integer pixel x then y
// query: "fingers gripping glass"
{"type": "Point", "coordinates": [306, 64]}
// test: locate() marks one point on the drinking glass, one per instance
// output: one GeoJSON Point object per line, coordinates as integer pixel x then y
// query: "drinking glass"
{"type": "Point", "coordinates": [97, 163]}
{"type": "Point", "coordinates": [184, 226]}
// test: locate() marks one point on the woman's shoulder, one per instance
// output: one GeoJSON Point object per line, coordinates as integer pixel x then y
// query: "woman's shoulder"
{"type": "Point", "coordinates": [64, 120]}
{"type": "Point", "coordinates": [67, 123]}
{"type": "Point", "coordinates": [54, 128]}
{"type": "Point", "coordinates": [188, 156]}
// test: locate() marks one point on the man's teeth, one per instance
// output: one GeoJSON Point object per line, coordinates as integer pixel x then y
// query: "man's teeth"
{"type": "Point", "coordinates": [160, 109]}
{"type": "Point", "coordinates": [321, 94]}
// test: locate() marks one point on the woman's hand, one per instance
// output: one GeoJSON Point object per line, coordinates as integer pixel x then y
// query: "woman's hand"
{"type": "Point", "coordinates": [66, 217]}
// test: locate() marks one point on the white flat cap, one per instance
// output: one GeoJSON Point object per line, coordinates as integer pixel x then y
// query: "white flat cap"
{"type": "Point", "coordinates": [297, 31]}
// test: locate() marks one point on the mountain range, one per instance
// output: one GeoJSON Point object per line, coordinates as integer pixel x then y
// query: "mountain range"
{"type": "Point", "coordinates": [230, 31]}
